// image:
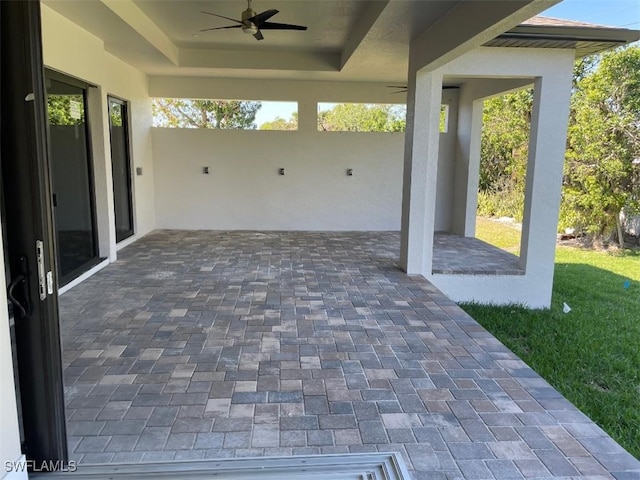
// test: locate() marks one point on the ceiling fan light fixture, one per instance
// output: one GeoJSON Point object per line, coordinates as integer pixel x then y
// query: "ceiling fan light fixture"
{"type": "Point", "coordinates": [250, 29]}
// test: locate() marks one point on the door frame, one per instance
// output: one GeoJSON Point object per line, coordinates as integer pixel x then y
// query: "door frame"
{"type": "Point", "coordinates": [29, 217]}
{"type": "Point", "coordinates": [125, 116]}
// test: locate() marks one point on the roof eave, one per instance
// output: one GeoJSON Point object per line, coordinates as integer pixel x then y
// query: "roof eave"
{"type": "Point", "coordinates": [592, 34]}
{"type": "Point", "coordinates": [584, 40]}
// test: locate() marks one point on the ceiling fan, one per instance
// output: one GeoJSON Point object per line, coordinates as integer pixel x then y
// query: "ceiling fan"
{"type": "Point", "coordinates": [253, 23]}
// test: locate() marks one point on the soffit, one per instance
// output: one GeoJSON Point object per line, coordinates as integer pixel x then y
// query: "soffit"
{"type": "Point", "coordinates": [348, 40]}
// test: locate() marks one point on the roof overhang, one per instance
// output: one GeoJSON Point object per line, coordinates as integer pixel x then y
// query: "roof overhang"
{"type": "Point", "coordinates": [584, 38]}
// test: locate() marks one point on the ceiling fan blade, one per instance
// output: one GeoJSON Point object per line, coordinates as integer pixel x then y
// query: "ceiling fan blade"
{"type": "Point", "coordinates": [280, 26]}
{"type": "Point", "coordinates": [263, 17]}
{"type": "Point", "coordinates": [258, 35]}
{"type": "Point", "coordinates": [220, 28]}
{"type": "Point", "coordinates": [222, 16]}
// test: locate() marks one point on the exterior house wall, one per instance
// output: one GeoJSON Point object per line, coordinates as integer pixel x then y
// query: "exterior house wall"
{"type": "Point", "coordinates": [73, 51]}
{"type": "Point", "coordinates": [244, 190]}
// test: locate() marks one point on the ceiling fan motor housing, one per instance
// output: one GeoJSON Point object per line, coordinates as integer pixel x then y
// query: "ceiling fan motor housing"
{"type": "Point", "coordinates": [248, 27]}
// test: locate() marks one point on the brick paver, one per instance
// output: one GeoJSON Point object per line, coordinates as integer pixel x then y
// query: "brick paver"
{"type": "Point", "coordinates": [200, 345]}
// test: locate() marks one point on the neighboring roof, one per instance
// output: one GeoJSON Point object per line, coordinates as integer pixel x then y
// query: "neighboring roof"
{"type": "Point", "coordinates": [547, 32]}
{"type": "Point", "coordinates": [541, 21]}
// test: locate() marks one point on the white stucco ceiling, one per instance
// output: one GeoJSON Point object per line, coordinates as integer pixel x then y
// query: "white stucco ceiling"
{"type": "Point", "coordinates": [346, 39]}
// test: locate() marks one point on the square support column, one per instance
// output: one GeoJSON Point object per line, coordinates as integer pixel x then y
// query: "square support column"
{"type": "Point", "coordinates": [420, 172]}
{"type": "Point", "coordinates": [547, 144]}
{"type": "Point", "coordinates": [467, 173]}
{"type": "Point", "coordinates": [102, 173]}
{"type": "Point", "coordinates": [307, 116]}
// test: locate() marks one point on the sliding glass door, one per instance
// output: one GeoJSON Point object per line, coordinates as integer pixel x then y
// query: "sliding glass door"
{"type": "Point", "coordinates": [121, 168]}
{"type": "Point", "coordinates": [72, 178]}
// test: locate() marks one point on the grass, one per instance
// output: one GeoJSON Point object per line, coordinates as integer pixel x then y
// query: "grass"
{"type": "Point", "coordinates": [591, 354]}
{"type": "Point", "coordinates": [499, 234]}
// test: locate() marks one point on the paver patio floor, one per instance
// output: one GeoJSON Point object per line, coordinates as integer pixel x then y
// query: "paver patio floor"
{"type": "Point", "coordinates": [198, 345]}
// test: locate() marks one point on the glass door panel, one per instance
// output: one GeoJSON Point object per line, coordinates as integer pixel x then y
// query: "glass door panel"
{"type": "Point", "coordinates": [73, 196]}
{"type": "Point", "coordinates": [121, 168]}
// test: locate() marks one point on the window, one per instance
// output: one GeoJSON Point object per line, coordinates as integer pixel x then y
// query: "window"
{"type": "Point", "coordinates": [361, 117]}
{"type": "Point", "coordinates": [224, 114]}
{"type": "Point", "coordinates": [278, 116]}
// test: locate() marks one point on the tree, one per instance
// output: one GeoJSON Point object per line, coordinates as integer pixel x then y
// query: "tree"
{"type": "Point", "coordinates": [503, 154]}
{"type": "Point", "coordinates": [219, 114]}
{"type": "Point", "coordinates": [602, 163]}
{"type": "Point", "coordinates": [281, 123]}
{"type": "Point", "coordinates": [361, 117]}
{"type": "Point", "coordinates": [65, 109]}
{"type": "Point", "coordinates": [505, 139]}
{"type": "Point", "coordinates": [602, 174]}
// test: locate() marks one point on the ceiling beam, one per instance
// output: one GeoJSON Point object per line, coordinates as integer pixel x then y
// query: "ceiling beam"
{"type": "Point", "coordinates": [470, 24]}
{"type": "Point", "coordinates": [260, 60]}
{"type": "Point", "coordinates": [359, 31]}
{"type": "Point", "coordinates": [144, 26]}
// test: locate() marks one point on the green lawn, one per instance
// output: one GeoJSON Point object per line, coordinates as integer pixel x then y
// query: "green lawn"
{"type": "Point", "coordinates": [499, 234]}
{"type": "Point", "coordinates": [591, 354]}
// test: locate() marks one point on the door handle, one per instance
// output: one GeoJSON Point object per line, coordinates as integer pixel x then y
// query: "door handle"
{"type": "Point", "coordinates": [22, 304]}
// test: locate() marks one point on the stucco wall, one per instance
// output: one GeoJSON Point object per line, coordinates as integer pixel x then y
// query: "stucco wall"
{"type": "Point", "coordinates": [245, 191]}
{"type": "Point", "coordinates": [73, 51]}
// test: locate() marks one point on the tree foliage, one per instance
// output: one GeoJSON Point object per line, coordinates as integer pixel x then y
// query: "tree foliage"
{"type": "Point", "coordinates": [281, 124]}
{"type": "Point", "coordinates": [505, 136]}
{"type": "Point", "coordinates": [115, 114]}
{"type": "Point", "coordinates": [219, 114]}
{"type": "Point", "coordinates": [361, 117]}
{"type": "Point", "coordinates": [65, 109]}
{"type": "Point", "coordinates": [602, 163]}
{"type": "Point", "coordinates": [602, 175]}
{"type": "Point", "coordinates": [504, 151]}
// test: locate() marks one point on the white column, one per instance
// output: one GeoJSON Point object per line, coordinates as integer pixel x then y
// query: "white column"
{"type": "Point", "coordinates": [102, 174]}
{"type": "Point", "coordinates": [448, 141]}
{"type": "Point", "coordinates": [544, 173]}
{"type": "Point", "coordinates": [467, 174]}
{"type": "Point", "coordinates": [420, 172]}
{"type": "Point", "coordinates": [307, 116]}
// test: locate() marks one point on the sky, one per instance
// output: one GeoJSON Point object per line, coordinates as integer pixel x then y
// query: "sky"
{"type": "Point", "coordinates": [613, 13]}
{"type": "Point", "coordinates": [270, 110]}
